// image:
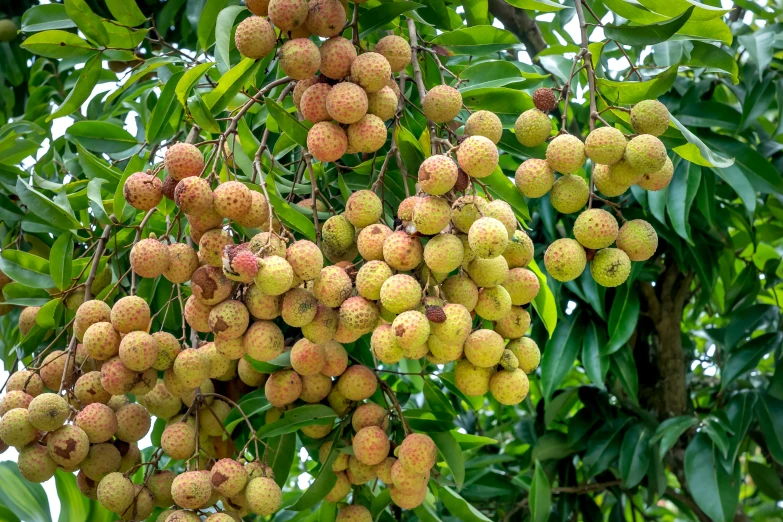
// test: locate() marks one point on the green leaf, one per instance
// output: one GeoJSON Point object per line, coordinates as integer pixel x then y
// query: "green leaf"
{"type": "Point", "coordinates": [670, 431]}
{"type": "Point", "coordinates": [560, 353]}
{"type": "Point", "coordinates": [622, 318]}
{"type": "Point", "coordinates": [95, 167]}
{"type": "Point", "coordinates": [769, 411]}
{"type": "Point", "coordinates": [634, 455]}
{"type": "Point", "coordinates": [762, 174]}
{"type": "Point", "coordinates": [452, 453]}
{"type": "Point", "coordinates": [44, 208]}
{"type": "Point", "coordinates": [595, 363]}
{"type": "Point", "coordinates": [542, 6]}
{"type": "Point", "coordinates": [603, 447]}
{"type": "Point", "coordinates": [45, 17]}
{"type": "Point", "coordinates": [230, 84]}
{"type": "Point", "coordinates": [119, 204]}
{"type": "Point", "coordinates": [201, 114]}
{"type": "Point", "coordinates": [760, 47]}
{"type": "Point", "coordinates": [88, 79]}
{"type": "Point", "coordinates": [766, 480]}
{"type": "Point", "coordinates": [680, 196]}
{"type": "Point", "coordinates": [479, 40]}
{"type": "Point", "coordinates": [126, 12]}
{"type": "Point", "coordinates": [225, 23]}
{"type": "Point", "coordinates": [711, 157]}
{"type": "Point", "coordinates": [647, 34]}
{"type": "Point", "coordinates": [429, 421]}
{"type": "Point", "coordinates": [26, 268]}
{"type": "Point", "coordinates": [717, 434]}
{"type": "Point", "coordinates": [74, 507]}
{"type": "Point", "coordinates": [189, 80]}
{"type": "Point", "coordinates": [703, 54]}
{"type": "Point", "coordinates": [500, 100]}
{"type": "Point", "coordinates": [87, 21]}
{"type": "Point", "coordinates": [672, 8]}
{"type": "Point", "coordinates": [165, 109]}
{"type": "Point", "coordinates": [623, 367]}
{"type": "Point", "coordinates": [19, 294]}
{"type": "Point", "coordinates": [324, 481]}
{"type": "Point", "coordinates": [467, 441]}
{"type": "Point", "coordinates": [501, 187]}
{"type": "Point", "coordinates": [25, 499]}
{"type": "Point", "coordinates": [459, 507]}
{"type": "Point", "coordinates": [101, 136]}
{"type": "Point", "coordinates": [380, 502]}
{"type": "Point", "coordinates": [281, 454]}
{"type": "Point", "coordinates": [61, 259]}
{"type": "Point", "coordinates": [625, 93]}
{"type": "Point", "coordinates": [291, 217]}
{"type": "Point", "coordinates": [540, 495]}
{"type": "Point", "coordinates": [297, 418]}
{"type": "Point", "coordinates": [372, 19]}
{"type": "Point", "coordinates": [747, 356]}
{"type": "Point", "coordinates": [206, 22]}
{"type": "Point", "coordinates": [714, 491]}
{"type": "Point", "coordinates": [58, 45]}
{"type": "Point", "coordinates": [293, 128]}
{"type": "Point", "coordinates": [544, 303]}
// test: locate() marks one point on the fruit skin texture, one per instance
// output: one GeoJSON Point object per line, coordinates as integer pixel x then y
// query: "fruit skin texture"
{"type": "Point", "coordinates": [263, 496]}
{"type": "Point", "coordinates": [138, 351]}
{"type": "Point", "coordinates": [115, 492]}
{"type": "Point", "coordinates": [133, 422]}
{"type": "Point", "coordinates": [48, 411]}
{"type": "Point", "coordinates": [370, 71]}
{"type": "Point", "coordinates": [565, 154]}
{"type": "Point", "coordinates": [645, 154]}
{"type": "Point", "coordinates": [437, 174]}
{"type": "Point", "coordinates": [470, 379]}
{"type": "Point", "coordinates": [478, 156]}
{"type": "Point", "coordinates": [382, 103]}
{"type": "Point", "coordinates": [610, 267]}
{"type": "Point", "coordinates": [418, 453]}
{"type": "Point", "coordinates": [28, 381]}
{"type": "Point", "coordinates": [532, 128]}
{"type": "Point", "coordinates": [229, 319]}
{"type": "Point", "coordinates": [14, 399]}
{"type": "Point", "coordinates": [371, 445]}
{"type": "Point", "coordinates": [370, 241]}
{"type": "Point", "coordinates": [191, 489]}
{"type": "Point", "coordinates": [396, 50]}
{"type": "Point", "coordinates": [130, 313]}
{"type": "Point", "coordinates": [442, 104]}
{"type": "Point", "coordinates": [509, 387]}
{"type": "Point", "coordinates": [534, 178]}
{"type": "Point", "coordinates": [300, 58]}
{"type": "Point", "coordinates": [183, 160]}
{"type": "Point", "coordinates": [456, 328]}
{"type": "Point", "coordinates": [255, 37]}
{"type": "Point", "coordinates": [527, 353]}
{"type": "Point", "coordinates": [283, 387]}
{"type": "Point", "coordinates": [191, 367]}
{"type": "Point", "coordinates": [306, 259]}
{"type": "Point", "coordinates": [143, 191]}
{"type": "Point", "coordinates": [357, 383]}
{"type": "Point", "coordinates": [287, 14]}
{"type": "Point", "coordinates": [68, 446]}
{"type": "Point", "coordinates": [178, 441]}
{"type": "Point", "coordinates": [408, 500]}
{"type": "Point", "coordinates": [332, 286]}
{"type": "Point", "coordinates": [595, 228]}
{"type": "Point", "coordinates": [327, 141]}
{"type": "Point", "coordinates": [544, 99]}
{"type": "Point", "coordinates": [359, 315]}
{"type": "Point", "coordinates": [650, 117]}
{"type": "Point", "coordinates": [484, 123]}
{"type": "Point", "coordinates": [522, 286]}
{"type": "Point", "coordinates": [299, 307]}
{"type": "Point", "coordinates": [307, 358]}
{"type": "Point", "coordinates": [337, 55]}
{"type": "Point", "coordinates": [325, 18]}
{"type": "Point", "coordinates": [402, 252]}
{"type": "Point", "coordinates": [444, 253]}
{"type": "Point", "coordinates": [15, 428]}
{"type": "Point", "coordinates": [431, 215]}
{"type": "Point", "coordinates": [659, 179]}
{"type": "Point", "coordinates": [228, 477]}
{"type": "Point", "coordinates": [411, 329]}
{"type": "Point", "coordinates": [353, 513]}
{"type": "Point", "coordinates": [347, 102]}
{"type": "Point", "coordinates": [363, 208]}
{"type": "Point", "coordinates": [565, 259]}
{"type": "Point", "coordinates": [488, 238]}
{"type": "Point", "coordinates": [605, 145]}
{"type": "Point", "coordinates": [149, 258]}
{"type": "Point", "coordinates": [488, 272]}
{"type": "Point", "coordinates": [35, 464]}
{"type": "Point", "coordinates": [569, 194]}
{"type": "Point", "coordinates": [232, 199]}
{"type": "Point", "coordinates": [638, 239]}
{"type": "Point", "coordinates": [183, 261]}
{"type": "Point", "coordinates": [483, 348]}
{"type": "Point", "coordinates": [605, 183]}
{"type": "Point", "coordinates": [313, 103]}
{"type": "Point", "coordinates": [258, 8]}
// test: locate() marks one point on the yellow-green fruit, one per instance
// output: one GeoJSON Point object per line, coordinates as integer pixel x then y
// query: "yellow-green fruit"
{"type": "Point", "coordinates": [407, 480]}
{"type": "Point", "coordinates": [340, 463]}
{"type": "Point", "coordinates": [569, 194]}
{"type": "Point", "coordinates": [340, 490]}
{"type": "Point", "coordinates": [26, 381]}
{"type": "Point", "coordinates": [383, 470]}
{"type": "Point", "coordinates": [249, 375]}
{"type": "Point", "coordinates": [532, 128]}
{"type": "Point", "coordinates": [370, 414]}
{"type": "Point", "coordinates": [370, 241]}
{"type": "Point", "coordinates": [371, 445]}
{"type": "Point", "coordinates": [16, 430]}
{"type": "Point", "coordinates": [8, 30]}
{"type": "Point", "coordinates": [638, 239]}
{"type": "Point", "coordinates": [315, 388]}
{"type": "Point", "coordinates": [347, 102]}
{"type": "Point", "coordinates": [138, 351]}
{"type": "Point", "coordinates": [149, 258]}
{"type": "Point", "coordinates": [326, 18]}
{"type": "Point", "coordinates": [595, 228]}
{"type": "Point", "coordinates": [312, 105]}
{"type": "Point", "coordinates": [456, 328]}
{"type": "Point", "coordinates": [191, 489]}
{"type": "Point", "coordinates": [287, 14]}
{"type": "Point", "coordinates": [466, 210]}
{"type": "Point", "coordinates": [400, 293]}
{"type": "Point", "coordinates": [488, 237]}
{"type": "Point", "coordinates": [565, 154]}
{"type": "Point", "coordinates": [228, 477]}
{"type": "Point", "coordinates": [168, 348]}
{"type": "Point", "coordinates": [534, 178]}
{"type": "Point", "coordinates": [255, 37]}
{"type": "Point", "coordinates": [659, 179]}
{"type": "Point", "coordinates": [565, 259]}
{"type": "Point", "coordinates": [411, 329]}
{"type": "Point", "coordinates": [646, 154]}
{"type": "Point", "coordinates": [370, 71]}
{"type": "Point", "coordinates": [509, 387]}
{"type": "Point", "coordinates": [383, 103]}
{"type": "Point", "coordinates": [437, 174]}
{"type": "Point", "coordinates": [68, 446]}
{"type": "Point", "coordinates": [470, 379]}
{"type": "Point", "coordinates": [483, 348]}
{"type": "Point", "coordinates": [101, 341]}
{"type": "Point", "coordinates": [519, 251]}
{"type": "Point", "coordinates": [367, 135]}
{"type": "Point", "coordinates": [133, 422]}
{"type": "Point", "coordinates": [477, 156]}
{"type": "Point", "coordinates": [371, 278]}
{"type": "Point", "coordinates": [444, 253]}
{"type": "Point", "coordinates": [327, 141]}
{"type": "Point", "coordinates": [338, 232]}
{"type": "Point", "coordinates": [460, 289]}
{"type": "Point", "coordinates": [282, 388]}
{"type": "Point", "coordinates": [522, 286]}
{"type": "Point", "coordinates": [493, 303]}
{"type": "Point", "coordinates": [418, 453]}
{"type": "Point", "coordinates": [191, 367]}
{"type": "Point", "coordinates": [357, 383]}
{"type": "Point", "coordinates": [431, 215]}
{"type": "Point", "coordinates": [275, 277]}
{"type": "Point", "coordinates": [218, 365]}
{"type": "Point", "coordinates": [650, 117]}
{"type": "Point", "coordinates": [265, 244]}
{"type": "Point", "coordinates": [299, 307]}
{"type": "Point", "coordinates": [48, 411]}
{"type": "Point", "coordinates": [229, 319]}
{"type": "Point", "coordinates": [337, 55]}
{"type": "Point", "coordinates": [35, 464]}
{"type": "Point", "coordinates": [623, 173]}
{"type": "Point", "coordinates": [307, 358]}
{"type": "Point", "coordinates": [442, 104]}
{"type": "Point", "coordinates": [443, 352]}
{"type": "Point", "coordinates": [115, 492]}
{"type": "Point", "coordinates": [300, 58]}
{"type": "Point", "coordinates": [363, 208]}
{"type": "Point", "coordinates": [488, 273]}
{"type": "Point", "coordinates": [408, 499]}
{"type": "Point", "coordinates": [605, 145]}
{"type": "Point", "coordinates": [527, 353]}
{"type": "Point", "coordinates": [353, 513]}
{"type": "Point", "coordinates": [402, 252]}
{"type": "Point", "coordinates": [396, 50]}
{"type": "Point", "coordinates": [332, 286]}
{"type": "Point", "coordinates": [514, 324]}
{"type": "Point", "coordinates": [178, 441]}
{"type": "Point", "coordinates": [359, 315]}
{"type": "Point", "coordinates": [211, 246]}
{"type": "Point", "coordinates": [405, 209]}
{"type": "Point", "coordinates": [605, 183]}
{"type": "Point", "coordinates": [508, 360]}
{"type": "Point", "coordinates": [100, 461]}
{"type": "Point", "coordinates": [359, 473]}
{"type": "Point", "coordinates": [160, 402]}
{"type": "Point", "coordinates": [484, 123]}
{"type": "Point", "coordinates": [14, 399]}
{"type": "Point", "coordinates": [503, 212]}
{"type": "Point", "coordinates": [610, 267]}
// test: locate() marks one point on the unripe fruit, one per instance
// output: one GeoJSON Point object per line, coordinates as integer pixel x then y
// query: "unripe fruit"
{"type": "Point", "coordinates": [399, 293]}
{"type": "Point", "coordinates": [466, 210]}
{"type": "Point", "coordinates": [442, 104]}
{"type": "Point", "coordinates": [130, 313]}
{"type": "Point", "coordinates": [595, 228]}
{"type": "Point", "coordinates": [606, 183]}
{"type": "Point", "coordinates": [340, 490]}
{"type": "Point", "coordinates": [255, 37]}
{"type": "Point", "coordinates": [522, 286]}
{"type": "Point", "coordinates": [359, 315]}
{"type": "Point", "coordinates": [638, 239]}
{"type": "Point", "coordinates": [325, 18]}
{"type": "Point", "coordinates": [197, 314]}
{"type": "Point", "coordinates": [396, 50]}
{"type": "Point", "coordinates": [514, 324]}
{"type": "Point", "coordinates": [53, 367]}
{"type": "Point", "coordinates": [337, 55]}
{"type": "Point", "coordinates": [503, 212]}
{"type": "Point", "coordinates": [406, 480]}
{"type": "Point", "coordinates": [218, 365]}
{"type": "Point", "coordinates": [101, 460]}
{"type": "Point", "coordinates": [367, 135]}
{"type": "Point", "coordinates": [353, 513]}
{"type": "Point", "coordinates": [370, 241]}
{"type": "Point", "coordinates": [493, 303]}
{"type": "Point", "coordinates": [15, 428]}
{"type": "Point", "coordinates": [327, 141]}
{"type": "Point", "coordinates": [338, 232]}
{"type": "Point", "coordinates": [418, 453]}
{"type": "Point", "coordinates": [659, 179]}
{"type": "Point", "coordinates": [610, 267]}
{"type": "Point", "coordinates": [363, 208]}
{"type": "Point", "coordinates": [283, 387]}
{"type": "Point", "coordinates": [307, 358]}
{"type": "Point", "coordinates": [488, 273]}
{"type": "Point", "coordinates": [408, 500]}
{"type": "Point", "coordinates": [441, 352]}
{"type": "Point", "coordinates": [509, 387]}
{"type": "Point", "coordinates": [488, 238]}
{"type": "Point", "coordinates": [431, 215]}
{"type": "Point", "coordinates": [27, 319]}
{"type": "Point", "coordinates": [382, 103]}
{"type": "Point", "coordinates": [402, 252]}
{"type": "Point", "coordinates": [264, 496]}
{"type": "Point", "coordinates": [471, 380]}
{"type": "Point", "coordinates": [460, 289]}
{"type": "Point", "coordinates": [605, 145]}
{"type": "Point", "coordinates": [149, 258]}
{"type": "Point", "coordinates": [456, 328]}
{"type": "Point", "coordinates": [370, 71]}
{"type": "Point", "coordinates": [477, 156]}
{"type": "Point", "coordinates": [483, 348]}
{"type": "Point", "coordinates": [347, 102]}
{"type": "Point", "coordinates": [101, 341]}
{"type": "Point", "coordinates": [534, 178]}
{"type": "Point", "coordinates": [160, 402]}
{"type": "Point", "coordinates": [532, 128]}
{"type": "Point", "coordinates": [265, 244]}
{"type": "Point", "coordinates": [357, 383]}
{"type": "Point", "coordinates": [484, 123]}
{"type": "Point", "coordinates": [143, 191]}
{"type": "Point", "coordinates": [565, 154]}
{"type": "Point", "coordinates": [183, 261]}
{"type": "Point", "coordinates": [138, 351]}
{"type": "Point", "coordinates": [287, 14]}
{"type": "Point", "coordinates": [299, 307]}
{"type": "Point", "coordinates": [232, 199]}
{"type": "Point", "coordinates": [527, 353]}
{"type": "Point", "coordinates": [115, 492]}
{"type": "Point", "coordinates": [565, 259]}
{"type": "Point", "coordinates": [68, 446]}
{"type": "Point", "coordinates": [405, 209]}
{"type": "Point", "coordinates": [544, 99]}
{"type": "Point", "coordinates": [182, 516]}
{"type": "Point", "coordinates": [569, 194]}
{"type": "Point", "coordinates": [335, 359]}
{"type": "Point", "coordinates": [444, 253]}
{"type": "Point", "coordinates": [27, 381]}
{"type": "Point", "coordinates": [228, 477]}
{"type": "Point", "coordinates": [35, 464]}
{"type": "Point", "coordinates": [133, 422]}
{"type": "Point", "coordinates": [371, 445]}
{"type": "Point", "coordinates": [519, 251]}
{"type": "Point", "coordinates": [305, 259]}
{"type": "Point", "coordinates": [88, 389]}
{"type": "Point", "coordinates": [191, 489]}
{"type": "Point", "coordinates": [359, 473]}
{"type": "Point", "coordinates": [315, 388]}
{"type": "Point", "coordinates": [323, 326]}
{"type": "Point", "coordinates": [14, 399]}
{"type": "Point", "coordinates": [299, 58]}
{"type": "Point", "coordinates": [313, 103]}
{"type": "Point", "coordinates": [8, 30]}
{"type": "Point", "coordinates": [411, 329]}
{"type": "Point", "coordinates": [183, 160]}
{"type": "Point", "coordinates": [646, 154]}
{"type": "Point", "coordinates": [650, 117]}
{"type": "Point", "coordinates": [159, 485]}
{"type": "Point", "coordinates": [384, 346]}
{"type": "Point", "coordinates": [369, 414]}
{"type": "Point", "coordinates": [258, 8]}
{"type": "Point", "coordinates": [258, 214]}
{"type": "Point", "coordinates": [178, 441]}
{"type": "Point", "coordinates": [623, 173]}
{"type": "Point", "coordinates": [332, 286]}
{"type": "Point", "coordinates": [437, 174]}
{"type": "Point", "coordinates": [191, 367]}
{"type": "Point", "coordinates": [48, 411]}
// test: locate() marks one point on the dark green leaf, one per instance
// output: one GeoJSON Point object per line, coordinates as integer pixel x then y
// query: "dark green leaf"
{"type": "Point", "coordinates": [540, 495]}
{"type": "Point", "coordinates": [634, 455]}
{"type": "Point", "coordinates": [26, 268]}
{"type": "Point", "coordinates": [88, 79]}
{"type": "Point", "coordinates": [295, 130]}
{"type": "Point", "coordinates": [623, 367]}
{"type": "Point", "coordinates": [165, 109]}
{"type": "Point", "coordinates": [715, 491]}
{"type": "Point", "coordinates": [670, 430]}
{"type": "Point", "coordinates": [372, 19]}
{"type": "Point", "coordinates": [747, 356]}
{"type": "Point", "coordinates": [459, 507]}
{"type": "Point", "coordinates": [634, 92]}
{"type": "Point", "coordinates": [225, 23]}
{"type": "Point", "coordinates": [206, 22]}
{"type": "Point", "coordinates": [647, 34]}
{"type": "Point", "coordinates": [769, 411]}
{"type": "Point", "coordinates": [45, 17]}
{"type": "Point", "coordinates": [560, 353]}
{"type": "Point", "coordinates": [302, 416]}
{"type": "Point", "coordinates": [126, 12]}
{"type": "Point", "coordinates": [101, 136]}
{"type": "Point", "coordinates": [74, 506]}
{"type": "Point", "coordinates": [603, 447]}
{"type": "Point", "coordinates": [61, 259]}
{"type": "Point", "coordinates": [622, 318]}
{"type": "Point", "coordinates": [766, 480]}
{"type": "Point", "coordinates": [324, 481]}
{"type": "Point", "coordinates": [478, 40]}
{"type": "Point", "coordinates": [452, 454]}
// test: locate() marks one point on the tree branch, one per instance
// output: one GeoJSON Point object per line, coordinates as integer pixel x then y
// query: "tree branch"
{"type": "Point", "coordinates": [518, 22]}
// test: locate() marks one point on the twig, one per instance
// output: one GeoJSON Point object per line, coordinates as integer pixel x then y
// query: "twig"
{"type": "Point", "coordinates": [587, 58]}
{"type": "Point", "coordinates": [417, 77]}
{"type": "Point", "coordinates": [96, 261]}
{"type": "Point", "coordinates": [313, 189]}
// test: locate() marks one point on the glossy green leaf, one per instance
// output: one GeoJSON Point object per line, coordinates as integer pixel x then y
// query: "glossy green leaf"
{"type": "Point", "coordinates": [746, 357]}
{"type": "Point", "coordinates": [543, 6]}
{"type": "Point", "coordinates": [46, 17]}
{"type": "Point", "coordinates": [680, 196]}
{"type": "Point", "coordinates": [206, 22]}
{"type": "Point", "coordinates": [280, 455]}
{"type": "Point", "coordinates": [603, 447]}
{"type": "Point", "coordinates": [101, 136]}
{"type": "Point", "coordinates": [478, 40]}
{"type": "Point", "coordinates": [165, 109]}
{"type": "Point", "coordinates": [24, 499]}
{"type": "Point", "coordinates": [622, 318]}
{"type": "Point", "coordinates": [459, 507]}
{"type": "Point", "coordinates": [647, 34]}
{"type": "Point", "coordinates": [126, 12]}
{"type": "Point", "coordinates": [87, 21]}
{"type": "Point", "coordinates": [26, 268]}
{"type": "Point", "coordinates": [61, 259]}
{"type": "Point", "coordinates": [703, 54]}
{"type": "Point", "coordinates": [634, 455]}
{"type": "Point", "coordinates": [230, 84]}
{"type": "Point", "coordinates": [623, 367]}
{"type": "Point", "coordinates": [595, 363]}
{"type": "Point", "coordinates": [312, 414]}
{"type": "Point", "coordinates": [380, 503]}
{"type": "Point", "coordinates": [560, 353]}
{"type": "Point", "coordinates": [201, 115]}
{"type": "Point", "coordinates": [540, 495]}
{"type": "Point", "coordinates": [58, 44]}
{"type": "Point", "coordinates": [766, 480]}
{"type": "Point", "coordinates": [714, 491]}
{"type": "Point", "coordinates": [45, 208]}
{"type": "Point", "coordinates": [760, 46]}
{"type": "Point", "coordinates": [289, 124]}
{"type": "Point", "coordinates": [633, 92]}
{"type": "Point", "coordinates": [324, 480]}
{"type": "Point", "coordinates": [370, 20]}
{"type": "Point", "coordinates": [189, 80]}
{"type": "Point", "coordinates": [670, 430]}
{"type": "Point", "coordinates": [225, 23]}
{"type": "Point", "coordinates": [544, 302]}
{"type": "Point", "coordinates": [74, 506]}
{"type": "Point", "coordinates": [452, 453]}
{"type": "Point", "coordinates": [88, 79]}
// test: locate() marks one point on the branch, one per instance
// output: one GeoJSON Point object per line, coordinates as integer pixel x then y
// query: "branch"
{"type": "Point", "coordinates": [96, 261]}
{"type": "Point", "coordinates": [518, 22]}
{"type": "Point", "coordinates": [417, 77]}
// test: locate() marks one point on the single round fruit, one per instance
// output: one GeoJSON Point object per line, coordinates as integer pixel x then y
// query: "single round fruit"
{"type": "Point", "coordinates": [527, 353]}
{"type": "Point", "coordinates": [411, 329]}
{"type": "Point", "coordinates": [347, 102]}
{"type": "Point", "coordinates": [565, 259]}
{"type": "Point", "coordinates": [337, 55]}
{"type": "Point", "coordinates": [370, 71]}
{"type": "Point", "coordinates": [488, 238]}
{"type": "Point", "coordinates": [478, 156]}
{"type": "Point", "coordinates": [544, 99]}
{"type": "Point", "coordinates": [418, 453]}
{"type": "Point", "coordinates": [353, 513]}
{"type": "Point", "coordinates": [115, 492]}
{"type": "Point", "coordinates": [35, 464]}
{"type": "Point", "coordinates": [371, 445]}
{"type": "Point", "coordinates": [402, 252]}
{"type": "Point", "coordinates": [659, 179]}
{"type": "Point", "coordinates": [650, 117]}
{"type": "Point", "coordinates": [514, 324]}
{"type": "Point", "coordinates": [396, 50]}
{"type": "Point", "coordinates": [569, 194]}
{"type": "Point", "coordinates": [484, 123]}
{"type": "Point", "coordinates": [287, 14]}
{"type": "Point", "coordinates": [534, 178]}
{"type": "Point", "coordinates": [326, 141]}
{"type": "Point", "coordinates": [325, 18]}
{"type": "Point", "coordinates": [606, 183]}
{"type": "Point", "coordinates": [149, 258]}
{"type": "Point", "coordinates": [483, 348]}
{"type": "Point", "coordinates": [363, 208]}
{"type": "Point", "coordinates": [610, 267]}
{"type": "Point", "coordinates": [332, 286]}
{"type": "Point", "coordinates": [229, 319]}
{"type": "Point", "coordinates": [471, 380]}
{"type": "Point", "coordinates": [431, 215]}
{"type": "Point", "coordinates": [595, 228]}
{"type": "Point", "coordinates": [522, 286]}
{"type": "Point", "coordinates": [191, 489]}
{"type": "Point", "coordinates": [68, 446]}
{"type": "Point", "coordinates": [255, 37]}
{"type": "Point", "coordinates": [282, 388]}
{"type": "Point", "coordinates": [638, 239]}
{"type": "Point", "coordinates": [605, 145]}
{"type": "Point", "coordinates": [357, 383]}
{"type": "Point", "coordinates": [183, 160]}
{"type": "Point", "coordinates": [178, 441]}
{"type": "Point", "coordinates": [488, 273]}
{"type": "Point", "coordinates": [130, 313]}
{"type": "Point", "coordinates": [15, 428]}
{"type": "Point", "coordinates": [444, 253]}
{"type": "Point", "coordinates": [532, 128]}
{"type": "Point", "coordinates": [138, 351]}
{"type": "Point", "coordinates": [493, 303]}
{"type": "Point", "coordinates": [565, 154]}
{"type": "Point", "coordinates": [228, 477]}
{"type": "Point", "coordinates": [299, 58]}
{"type": "Point", "coordinates": [264, 496]}
{"type": "Point", "coordinates": [442, 104]}
{"type": "Point", "coordinates": [509, 387]}
{"type": "Point", "coordinates": [367, 135]}
{"type": "Point", "coordinates": [48, 411]}
{"type": "Point", "coordinates": [101, 341]}
{"type": "Point", "coordinates": [437, 174]}
{"type": "Point", "coordinates": [143, 191]}
{"type": "Point", "coordinates": [646, 154]}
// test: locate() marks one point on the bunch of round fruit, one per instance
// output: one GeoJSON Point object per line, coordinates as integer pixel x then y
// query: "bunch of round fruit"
{"type": "Point", "coordinates": [618, 163]}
